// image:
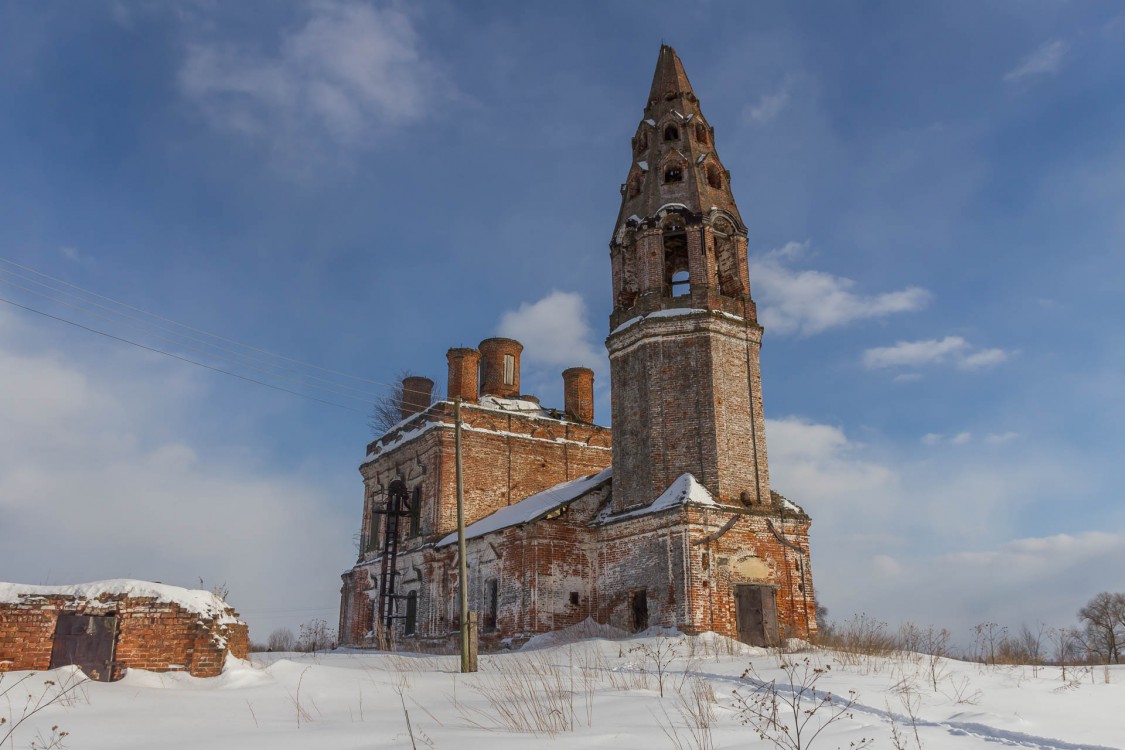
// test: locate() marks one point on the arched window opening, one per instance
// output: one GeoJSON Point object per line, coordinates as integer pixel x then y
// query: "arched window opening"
{"type": "Point", "coordinates": [681, 287]}
{"type": "Point", "coordinates": [726, 259]}
{"type": "Point", "coordinates": [671, 133]}
{"type": "Point", "coordinates": [714, 177]}
{"type": "Point", "coordinates": [491, 604]}
{"type": "Point", "coordinates": [416, 511]}
{"type": "Point", "coordinates": [410, 622]}
{"type": "Point", "coordinates": [675, 257]}
{"type": "Point", "coordinates": [701, 134]}
{"type": "Point", "coordinates": [673, 173]}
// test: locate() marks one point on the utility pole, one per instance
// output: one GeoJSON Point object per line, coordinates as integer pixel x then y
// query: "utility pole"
{"type": "Point", "coordinates": [468, 650]}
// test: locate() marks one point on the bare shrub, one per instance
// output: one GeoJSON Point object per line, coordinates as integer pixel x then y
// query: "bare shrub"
{"type": "Point", "coordinates": [988, 638]}
{"type": "Point", "coordinates": [660, 654]}
{"type": "Point", "coordinates": [860, 638]}
{"type": "Point", "coordinates": [24, 700]}
{"type": "Point", "coordinates": [696, 707]}
{"type": "Point", "coordinates": [793, 715]}
{"type": "Point", "coordinates": [524, 694]}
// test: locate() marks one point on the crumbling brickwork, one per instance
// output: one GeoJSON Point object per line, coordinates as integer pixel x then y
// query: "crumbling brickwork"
{"type": "Point", "coordinates": [151, 633]}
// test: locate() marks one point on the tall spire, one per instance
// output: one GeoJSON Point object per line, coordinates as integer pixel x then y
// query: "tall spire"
{"type": "Point", "coordinates": [678, 215]}
{"type": "Point", "coordinates": [670, 79]}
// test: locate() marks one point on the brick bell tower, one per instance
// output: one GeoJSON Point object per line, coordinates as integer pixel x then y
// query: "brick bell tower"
{"type": "Point", "coordinates": [685, 340]}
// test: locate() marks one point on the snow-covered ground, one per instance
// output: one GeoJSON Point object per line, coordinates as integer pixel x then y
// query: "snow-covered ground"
{"type": "Point", "coordinates": [590, 693]}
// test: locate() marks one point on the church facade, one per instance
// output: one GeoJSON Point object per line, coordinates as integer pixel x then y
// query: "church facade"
{"type": "Point", "coordinates": [665, 519]}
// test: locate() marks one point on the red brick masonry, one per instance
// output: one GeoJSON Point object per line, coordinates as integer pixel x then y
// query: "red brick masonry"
{"type": "Point", "coordinates": [160, 628]}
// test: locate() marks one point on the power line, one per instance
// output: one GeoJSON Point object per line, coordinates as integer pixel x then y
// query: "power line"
{"type": "Point", "coordinates": [147, 324]}
{"type": "Point", "coordinates": [177, 356]}
{"type": "Point", "coordinates": [189, 327]}
{"type": "Point", "coordinates": [366, 398]}
{"type": "Point", "coordinates": [333, 388]}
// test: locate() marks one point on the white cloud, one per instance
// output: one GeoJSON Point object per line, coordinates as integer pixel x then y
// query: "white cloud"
{"type": "Point", "coordinates": [1045, 59]}
{"type": "Point", "coordinates": [914, 353]}
{"type": "Point", "coordinates": [808, 302]}
{"type": "Point", "coordinates": [930, 538]}
{"type": "Point", "coordinates": [349, 70]}
{"type": "Point", "coordinates": [769, 105]}
{"type": "Point", "coordinates": [932, 438]}
{"type": "Point", "coordinates": [994, 438]}
{"type": "Point", "coordinates": [983, 359]}
{"type": "Point", "coordinates": [931, 352]}
{"type": "Point", "coordinates": [961, 438]}
{"type": "Point", "coordinates": [553, 330]}
{"type": "Point", "coordinates": [99, 478]}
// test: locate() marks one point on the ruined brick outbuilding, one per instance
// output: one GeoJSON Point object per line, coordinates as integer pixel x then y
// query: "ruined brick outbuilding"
{"type": "Point", "coordinates": [106, 627]}
{"type": "Point", "coordinates": [667, 518]}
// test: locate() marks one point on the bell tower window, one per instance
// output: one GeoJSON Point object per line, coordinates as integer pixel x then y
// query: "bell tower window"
{"type": "Point", "coordinates": [680, 284]}
{"type": "Point", "coordinates": [509, 370]}
{"type": "Point", "coordinates": [675, 257]}
{"type": "Point", "coordinates": [671, 133]}
{"type": "Point", "coordinates": [673, 173]}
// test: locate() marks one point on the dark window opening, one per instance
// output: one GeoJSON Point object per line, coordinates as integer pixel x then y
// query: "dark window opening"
{"type": "Point", "coordinates": [671, 133]}
{"type": "Point", "coordinates": [701, 134]}
{"type": "Point", "coordinates": [673, 173]}
{"type": "Point", "coordinates": [714, 177]}
{"type": "Point", "coordinates": [416, 511]}
{"type": "Point", "coordinates": [411, 621]}
{"type": "Point", "coordinates": [639, 609]}
{"type": "Point", "coordinates": [574, 599]}
{"type": "Point", "coordinates": [491, 603]}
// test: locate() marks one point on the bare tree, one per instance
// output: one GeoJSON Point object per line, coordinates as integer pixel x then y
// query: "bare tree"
{"type": "Point", "coordinates": [282, 639]}
{"type": "Point", "coordinates": [315, 635]}
{"type": "Point", "coordinates": [1103, 620]}
{"type": "Point", "coordinates": [386, 412]}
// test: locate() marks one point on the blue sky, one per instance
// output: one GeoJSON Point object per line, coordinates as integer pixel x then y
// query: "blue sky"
{"type": "Point", "coordinates": [934, 198]}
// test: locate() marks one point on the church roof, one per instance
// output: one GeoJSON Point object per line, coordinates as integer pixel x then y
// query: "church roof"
{"type": "Point", "coordinates": [533, 507]}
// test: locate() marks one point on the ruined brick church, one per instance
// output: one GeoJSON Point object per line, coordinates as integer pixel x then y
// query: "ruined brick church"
{"type": "Point", "coordinates": [665, 519]}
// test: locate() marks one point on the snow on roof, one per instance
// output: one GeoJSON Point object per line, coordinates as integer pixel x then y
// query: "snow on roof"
{"type": "Point", "coordinates": [643, 165]}
{"type": "Point", "coordinates": [532, 507]}
{"type": "Point", "coordinates": [521, 405]}
{"type": "Point", "coordinates": [685, 490]}
{"type": "Point", "coordinates": [194, 600]}
{"type": "Point", "coordinates": [671, 313]}
{"type": "Point", "coordinates": [406, 436]}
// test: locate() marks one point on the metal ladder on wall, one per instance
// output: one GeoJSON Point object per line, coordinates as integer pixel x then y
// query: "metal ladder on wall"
{"type": "Point", "coordinates": [398, 507]}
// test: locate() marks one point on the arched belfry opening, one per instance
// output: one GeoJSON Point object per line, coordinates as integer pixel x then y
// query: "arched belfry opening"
{"type": "Point", "coordinates": [726, 257]}
{"type": "Point", "coordinates": [674, 236]}
{"type": "Point", "coordinates": [671, 133]}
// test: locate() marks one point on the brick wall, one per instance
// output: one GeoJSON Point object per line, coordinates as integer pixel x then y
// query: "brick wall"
{"type": "Point", "coordinates": [687, 398]}
{"type": "Point", "coordinates": [151, 634]}
{"type": "Point", "coordinates": [506, 456]}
